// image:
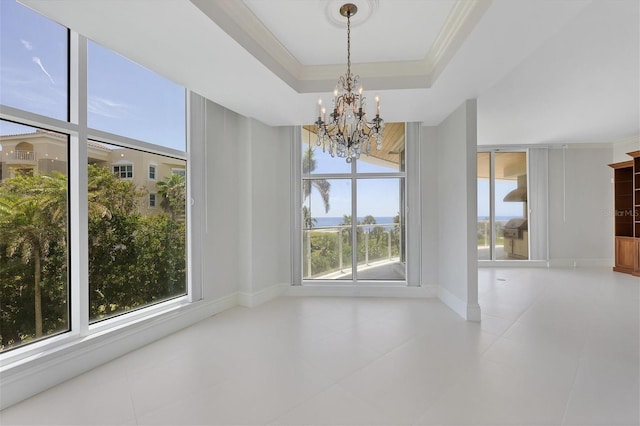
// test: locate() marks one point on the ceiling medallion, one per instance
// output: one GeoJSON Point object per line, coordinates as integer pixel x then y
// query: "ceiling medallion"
{"type": "Point", "coordinates": [348, 133]}
{"type": "Point", "coordinates": [331, 9]}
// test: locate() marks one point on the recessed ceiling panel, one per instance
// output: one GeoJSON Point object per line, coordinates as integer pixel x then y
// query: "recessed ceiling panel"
{"type": "Point", "coordinates": [382, 31]}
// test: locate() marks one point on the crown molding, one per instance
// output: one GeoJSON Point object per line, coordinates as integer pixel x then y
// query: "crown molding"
{"type": "Point", "coordinates": [462, 19]}
{"type": "Point", "coordinates": [240, 23]}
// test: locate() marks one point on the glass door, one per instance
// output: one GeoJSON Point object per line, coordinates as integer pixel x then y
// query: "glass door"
{"type": "Point", "coordinates": [503, 225]}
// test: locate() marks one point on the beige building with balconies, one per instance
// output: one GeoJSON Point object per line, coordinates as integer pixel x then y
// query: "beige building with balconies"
{"type": "Point", "coordinates": [43, 152]}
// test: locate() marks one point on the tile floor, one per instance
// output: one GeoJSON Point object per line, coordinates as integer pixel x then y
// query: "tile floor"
{"type": "Point", "coordinates": [555, 347]}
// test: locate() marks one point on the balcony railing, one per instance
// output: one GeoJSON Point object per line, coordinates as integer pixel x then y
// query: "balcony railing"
{"type": "Point", "coordinates": [484, 232]}
{"type": "Point", "coordinates": [328, 249]}
{"type": "Point", "coordinates": [21, 156]}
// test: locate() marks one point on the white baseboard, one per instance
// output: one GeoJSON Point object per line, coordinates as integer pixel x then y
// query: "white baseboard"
{"type": "Point", "coordinates": [474, 313]}
{"type": "Point", "coordinates": [33, 375]}
{"type": "Point", "coordinates": [513, 264]}
{"type": "Point", "coordinates": [470, 312]}
{"type": "Point", "coordinates": [332, 290]}
{"type": "Point", "coordinates": [581, 263]}
{"type": "Point", "coordinates": [250, 300]}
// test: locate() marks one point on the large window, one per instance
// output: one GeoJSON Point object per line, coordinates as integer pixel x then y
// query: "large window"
{"type": "Point", "coordinates": [58, 274]}
{"type": "Point", "coordinates": [503, 226]}
{"type": "Point", "coordinates": [337, 247]}
{"type": "Point", "coordinates": [137, 254]}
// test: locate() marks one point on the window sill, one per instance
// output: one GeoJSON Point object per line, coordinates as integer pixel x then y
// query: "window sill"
{"type": "Point", "coordinates": [51, 346]}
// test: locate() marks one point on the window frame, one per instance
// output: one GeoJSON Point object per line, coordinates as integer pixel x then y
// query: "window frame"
{"type": "Point", "coordinates": [127, 171]}
{"type": "Point", "coordinates": [411, 245]}
{"type": "Point", "coordinates": [155, 170]}
{"type": "Point", "coordinates": [76, 127]}
{"type": "Point", "coordinates": [152, 196]}
{"type": "Point", "coordinates": [493, 260]}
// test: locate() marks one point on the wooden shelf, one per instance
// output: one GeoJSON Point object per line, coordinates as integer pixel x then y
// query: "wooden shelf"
{"type": "Point", "coordinates": [626, 178]}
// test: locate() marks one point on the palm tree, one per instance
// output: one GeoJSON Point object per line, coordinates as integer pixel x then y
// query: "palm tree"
{"type": "Point", "coordinates": [369, 220]}
{"type": "Point", "coordinates": [307, 220]}
{"type": "Point", "coordinates": [172, 192]}
{"type": "Point", "coordinates": [321, 185]}
{"type": "Point", "coordinates": [33, 219]}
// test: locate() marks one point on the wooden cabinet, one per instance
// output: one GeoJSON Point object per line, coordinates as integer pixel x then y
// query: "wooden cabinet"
{"type": "Point", "coordinates": [625, 255]}
{"type": "Point", "coordinates": [626, 209]}
{"type": "Point", "coordinates": [636, 267]}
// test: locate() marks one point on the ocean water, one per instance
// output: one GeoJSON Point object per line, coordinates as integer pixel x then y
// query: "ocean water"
{"type": "Point", "coordinates": [335, 221]}
{"type": "Point", "coordinates": [386, 222]}
{"type": "Point", "coordinates": [498, 218]}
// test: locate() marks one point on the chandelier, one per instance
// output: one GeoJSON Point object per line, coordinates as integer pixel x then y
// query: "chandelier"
{"type": "Point", "coordinates": [348, 133]}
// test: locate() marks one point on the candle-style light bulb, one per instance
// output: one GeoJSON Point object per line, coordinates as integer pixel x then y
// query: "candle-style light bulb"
{"type": "Point", "coordinates": [360, 97]}
{"type": "Point", "coordinates": [377, 105]}
{"type": "Point", "coordinates": [319, 107]}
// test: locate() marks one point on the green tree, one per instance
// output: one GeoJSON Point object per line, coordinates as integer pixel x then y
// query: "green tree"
{"type": "Point", "coordinates": [369, 220]}
{"type": "Point", "coordinates": [32, 225]}
{"type": "Point", "coordinates": [109, 194]}
{"type": "Point", "coordinates": [307, 220]}
{"type": "Point", "coordinates": [172, 192]}
{"type": "Point", "coordinates": [134, 260]}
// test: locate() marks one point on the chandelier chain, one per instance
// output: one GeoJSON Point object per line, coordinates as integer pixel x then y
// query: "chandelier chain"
{"type": "Point", "coordinates": [349, 50]}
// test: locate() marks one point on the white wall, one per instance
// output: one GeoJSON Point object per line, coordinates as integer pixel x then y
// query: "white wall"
{"type": "Point", "coordinates": [456, 201]}
{"type": "Point", "coordinates": [223, 192]}
{"type": "Point", "coordinates": [621, 148]}
{"type": "Point", "coordinates": [429, 208]}
{"type": "Point", "coordinates": [581, 205]}
{"type": "Point", "coordinates": [248, 207]}
{"type": "Point", "coordinates": [271, 209]}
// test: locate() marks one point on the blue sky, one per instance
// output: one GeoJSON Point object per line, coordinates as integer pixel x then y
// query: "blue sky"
{"type": "Point", "coordinates": [503, 187]}
{"type": "Point", "coordinates": [378, 198]}
{"type": "Point", "coordinates": [124, 98]}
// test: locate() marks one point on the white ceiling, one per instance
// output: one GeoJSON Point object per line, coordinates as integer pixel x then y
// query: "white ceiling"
{"type": "Point", "coordinates": [321, 41]}
{"type": "Point", "coordinates": [563, 71]}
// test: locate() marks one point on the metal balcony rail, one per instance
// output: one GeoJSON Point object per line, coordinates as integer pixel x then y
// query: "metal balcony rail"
{"type": "Point", "coordinates": [338, 231]}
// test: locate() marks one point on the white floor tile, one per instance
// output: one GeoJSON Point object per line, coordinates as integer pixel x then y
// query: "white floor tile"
{"type": "Point", "coordinates": [496, 394]}
{"type": "Point", "coordinates": [335, 407]}
{"type": "Point", "coordinates": [556, 346]}
{"type": "Point", "coordinates": [605, 393]}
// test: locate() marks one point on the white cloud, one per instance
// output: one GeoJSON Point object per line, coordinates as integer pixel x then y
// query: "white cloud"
{"type": "Point", "coordinates": [39, 63]}
{"type": "Point", "coordinates": [27, 44]}
{"type": "Point", "coordinates": [107, 107]}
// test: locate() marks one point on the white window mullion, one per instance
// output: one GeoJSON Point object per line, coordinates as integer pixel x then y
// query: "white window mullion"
{"type": "Point", "coordinates": [492, 205]}
{"type": "Point", "coordinates": [296, 205]}
{"type": "Point", "coordinates": [78, 184]}
{"type": "Point", "coordinates": [354, 224]}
